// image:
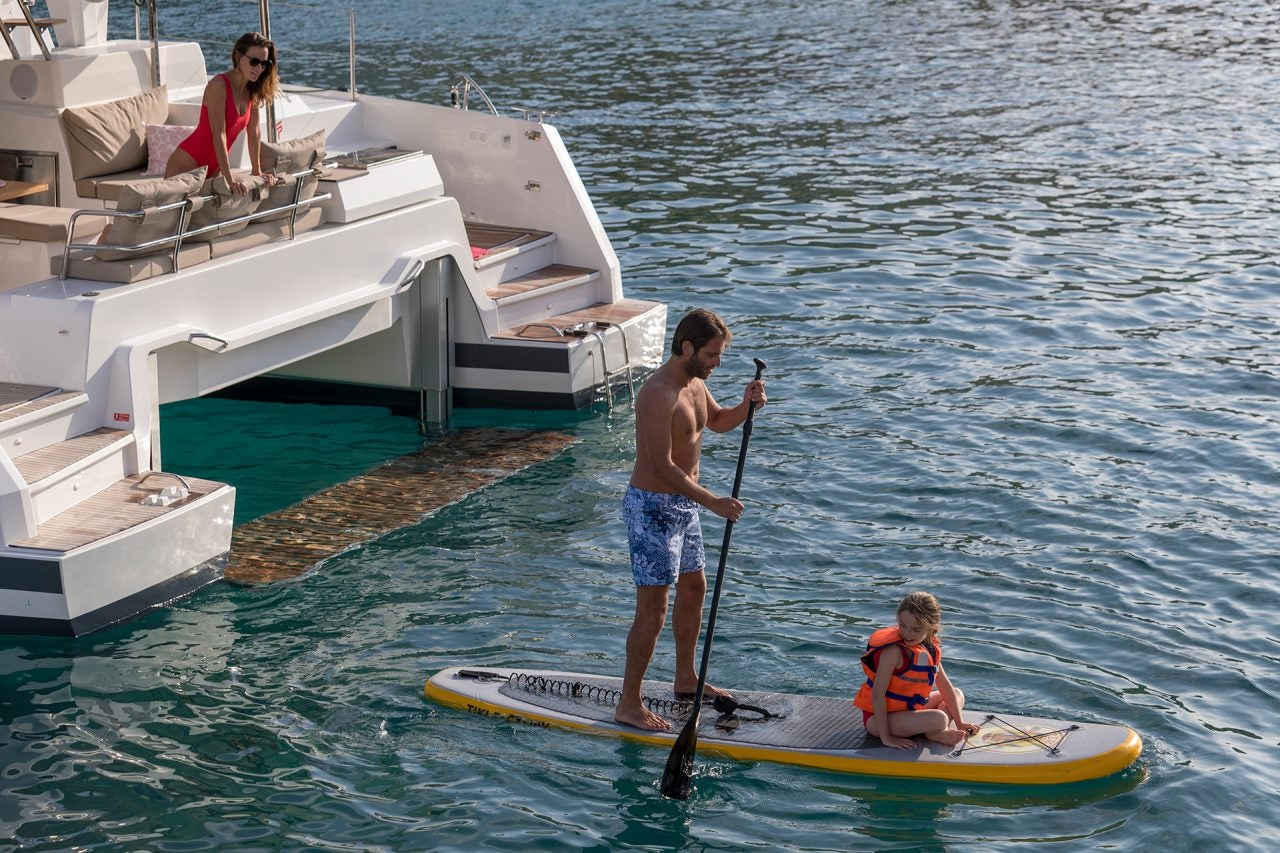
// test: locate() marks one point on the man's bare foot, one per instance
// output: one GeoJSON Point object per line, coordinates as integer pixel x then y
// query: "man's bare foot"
{"type": "Point", "coordinates": [708, 692]}
{"type": "Point", "coordinates": [641, 718]}
{"type": "Point", "coordinates": [948, 737]}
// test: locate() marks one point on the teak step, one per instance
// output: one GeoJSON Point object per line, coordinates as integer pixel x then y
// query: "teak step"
{"type": "Point", "coordinates": [546, 280]}
{"type": "Point", "coordinates": [610, 314]}
{"type": "Point", "coordinates": [50, 398]}
{"type": "Point", "coordinates": [13, 393]}
{"type": "Point", "coordinates": [498, 238]}
{"type": "Point", "coordinates": [47, 461]}
{"type": "Point", "coordinates": [117, 507]}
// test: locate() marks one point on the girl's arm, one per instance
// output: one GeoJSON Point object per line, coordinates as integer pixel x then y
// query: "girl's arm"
{"type": "Point", "coordinates": [948, 692]}
{"type": "Point", "coordinates": [890, 659]}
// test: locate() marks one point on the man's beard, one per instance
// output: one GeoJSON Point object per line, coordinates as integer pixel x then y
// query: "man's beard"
{"type": "Point", "coordinates": [698, 368]}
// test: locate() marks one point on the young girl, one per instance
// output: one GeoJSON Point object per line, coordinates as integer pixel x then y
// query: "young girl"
{"type": "Point", "coordinates": [903, 664]}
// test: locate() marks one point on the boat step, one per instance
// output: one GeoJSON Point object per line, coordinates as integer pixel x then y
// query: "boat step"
{"type": "Point", "coordinates": [15, 393]}
{"type": "Point", "coordinates": [39, 402]}
{"type": "Point", "coordinates": [43, 464]}
{"type": "Point", "coordinates": [607, 314]}
{"type": "Point", "coordinates": [541, 282]}
{"type": "Point", "coordinates": [498, 243]}
{"type": "Point", "coordinates": [112, 510]}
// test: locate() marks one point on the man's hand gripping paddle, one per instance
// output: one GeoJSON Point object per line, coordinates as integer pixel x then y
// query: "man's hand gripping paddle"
{"type": "Point", "coordinates": [676, 777]}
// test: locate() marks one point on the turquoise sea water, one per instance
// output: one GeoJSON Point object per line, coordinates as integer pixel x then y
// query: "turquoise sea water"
{"type": "Point", "coordinates": [1012, 266]}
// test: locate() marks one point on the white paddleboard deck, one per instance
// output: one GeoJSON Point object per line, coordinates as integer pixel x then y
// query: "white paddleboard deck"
{"type": "Point", "coordinates": [812, 731]}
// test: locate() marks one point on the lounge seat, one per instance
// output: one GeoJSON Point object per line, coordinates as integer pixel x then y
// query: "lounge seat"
{"type": "Point", "coordinates": [107, 143]}
{"type": "Point", "coordinates": [108, 187]}
{"type": "Point", "coordinates": [134, 269]}
{"type": "Point", "coordinates": [41, 224]}
{"type": "Point", "coordinates": [261, 233]}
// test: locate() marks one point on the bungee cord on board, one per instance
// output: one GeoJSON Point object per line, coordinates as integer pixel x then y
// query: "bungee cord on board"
{"type": "Point", "coordinates": [1052, 749]}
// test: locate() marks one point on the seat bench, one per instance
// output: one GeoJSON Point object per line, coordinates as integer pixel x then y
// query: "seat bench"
{"type": "Point", "coordinates": [41, 224]}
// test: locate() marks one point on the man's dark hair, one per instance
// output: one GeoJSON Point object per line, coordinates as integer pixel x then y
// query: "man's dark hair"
{"type": "Point", "coordinates": [699, 327]}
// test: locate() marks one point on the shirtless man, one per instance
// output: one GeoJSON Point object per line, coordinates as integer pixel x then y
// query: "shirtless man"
{"type": "Point", "coordinates": [661, 505]}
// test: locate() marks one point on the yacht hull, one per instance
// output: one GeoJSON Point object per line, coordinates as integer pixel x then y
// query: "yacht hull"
{"type": "Point", "coordinates": [76, 592]}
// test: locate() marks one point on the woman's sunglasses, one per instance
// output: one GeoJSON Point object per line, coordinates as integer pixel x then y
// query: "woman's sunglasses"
{"type": "Point", "coordinates": [254, 61]}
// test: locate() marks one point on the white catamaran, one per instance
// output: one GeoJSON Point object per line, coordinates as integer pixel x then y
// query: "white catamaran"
{"type": "Point", "coordinates": [442, 253]}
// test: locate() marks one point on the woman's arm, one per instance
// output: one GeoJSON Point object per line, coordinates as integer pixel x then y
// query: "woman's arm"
{"type": "Point", "coordinates": [254, 132]}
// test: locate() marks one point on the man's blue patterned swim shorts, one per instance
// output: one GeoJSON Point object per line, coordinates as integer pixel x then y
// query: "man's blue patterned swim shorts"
{"type": "Point", "coordinates": [665, 536]}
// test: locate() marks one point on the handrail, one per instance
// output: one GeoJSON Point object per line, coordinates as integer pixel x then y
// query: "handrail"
{"type": "Point", "coordinates": [188, 204]}
{"type": "Point", "coordinates": [460, 94]}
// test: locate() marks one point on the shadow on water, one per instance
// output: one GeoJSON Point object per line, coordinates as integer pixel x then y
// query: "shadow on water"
{"type": "Point", "coordinates": [648, 818]}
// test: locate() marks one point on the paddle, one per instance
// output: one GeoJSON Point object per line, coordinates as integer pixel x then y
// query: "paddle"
{"type": "Point", "coordinates": [675, 778]}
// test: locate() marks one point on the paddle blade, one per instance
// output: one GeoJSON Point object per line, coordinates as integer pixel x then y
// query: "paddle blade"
{"type": "Point", "coordinates": [676, 777]}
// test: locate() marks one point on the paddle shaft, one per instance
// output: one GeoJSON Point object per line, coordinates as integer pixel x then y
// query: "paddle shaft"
{"type": "Point", "coordinates": [675, 780]}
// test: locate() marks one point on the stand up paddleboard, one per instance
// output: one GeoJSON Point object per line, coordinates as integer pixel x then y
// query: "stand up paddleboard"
{"type": "Point", "coordinates": [812, 731]}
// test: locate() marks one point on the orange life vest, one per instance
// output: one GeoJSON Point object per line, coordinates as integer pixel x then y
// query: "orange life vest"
{"type": "Point", "coordinates": [912, 682]}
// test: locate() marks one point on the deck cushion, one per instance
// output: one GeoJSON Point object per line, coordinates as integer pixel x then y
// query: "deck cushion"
{"type": "Point", "coordinates": [41, 224]}
{"type": "Point", "coordinates": [224, 205]}
{"type": "Point", "coordinates": [144, 194]}
{"type": "Point", "coordinates": [129, 270]}
{"type": "Point", "coordinates": [107, 187]}
{"type": "Point", "coordinates": [112, 137]}
{"type": "Point", "coordinates": [283, 158]}
{"type": "Point", "coordinates": [261, 233]}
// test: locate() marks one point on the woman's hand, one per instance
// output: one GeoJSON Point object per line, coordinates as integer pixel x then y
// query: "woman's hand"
{"type": "Point", "coordinates": [238, 187]}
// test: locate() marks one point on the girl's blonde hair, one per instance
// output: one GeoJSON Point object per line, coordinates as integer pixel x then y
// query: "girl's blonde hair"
{"type": "Point", "coordinates": [925, 608]}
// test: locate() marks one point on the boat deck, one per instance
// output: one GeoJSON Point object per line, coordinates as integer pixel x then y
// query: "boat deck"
{"type": "Point", "coordinates": [116, 508]}
{"type": "Point", "coordinates": [48, 461]}
{"type": "Point", "coordinates": [17, 400]}
{"type": "Point", "coordinates": [601, 312]}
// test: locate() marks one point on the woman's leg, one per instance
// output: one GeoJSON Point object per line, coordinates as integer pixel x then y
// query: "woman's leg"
{"type": "Point", "coordinates": [179, 161]}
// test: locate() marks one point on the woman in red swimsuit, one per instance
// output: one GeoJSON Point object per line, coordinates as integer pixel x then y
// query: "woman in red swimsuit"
{"type": "Point", "coordinates": [231, 102]}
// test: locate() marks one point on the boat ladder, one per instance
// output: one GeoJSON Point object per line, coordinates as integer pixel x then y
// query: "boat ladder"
{"type": "Point", "coordinates": [596, 329]}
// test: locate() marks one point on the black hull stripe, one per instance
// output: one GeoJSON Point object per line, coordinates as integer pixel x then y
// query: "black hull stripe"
{"type": "Point", "coordinates": [494, 357]}
{"type": "Point", "coordinates": [126, 608]}
{"type": "Point", "coordinates": [30, 575]}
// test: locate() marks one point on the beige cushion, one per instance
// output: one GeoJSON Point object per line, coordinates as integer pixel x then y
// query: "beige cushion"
{"type": "Point", "coordinates": [226, 205]}
{"type": "Point", "coordinates": [107, 187]}
{"type": "Point", "coordinates": [262, 233]}
{"type": "Point", "coordinates": [42, 224]}
{"type": "Point", "coordinates": [162, 140]}
{"type": "Point", "coordinates": [283, 158]}
{"type": "Point", "coordinates": [111, 137]}
{"type": "Point", "coordinates": [129, 270]}
{"type": "Point", "coordinates": [150, 193]}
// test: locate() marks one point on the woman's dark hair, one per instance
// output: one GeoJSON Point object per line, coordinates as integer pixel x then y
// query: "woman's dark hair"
{"type": "Point", "coordinates": [267, 85]}
{"type": "Point", "coordinates": [699, 327]}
